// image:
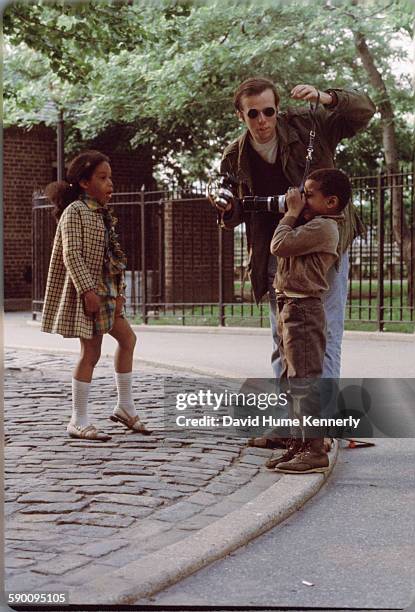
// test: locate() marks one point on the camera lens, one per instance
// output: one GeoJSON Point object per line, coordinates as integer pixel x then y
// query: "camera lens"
{"type": "Point", "coordinates": [281, 203]}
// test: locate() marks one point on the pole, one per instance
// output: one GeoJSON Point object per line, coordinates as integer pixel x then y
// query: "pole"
{"type": "Point", "coordinates": [381, 247]}
{"type": "Point", "coordinates": [60, 147]}
{"type": "Point", "coordinates": [221, 306]}
{"type": "Point", "coordinates": [143, 261]}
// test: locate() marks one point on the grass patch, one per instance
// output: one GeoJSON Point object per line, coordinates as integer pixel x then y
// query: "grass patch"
{"type": "Point", "coordinates": [366, 288]}
{"type": "Point", "coordinates": [404, 328]}
{"type": "Point", "coordinates": [360, 316]}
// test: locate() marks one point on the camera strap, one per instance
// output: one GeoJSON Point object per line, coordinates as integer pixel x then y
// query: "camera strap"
{"type": "Point", "coordinates": [310, 148]}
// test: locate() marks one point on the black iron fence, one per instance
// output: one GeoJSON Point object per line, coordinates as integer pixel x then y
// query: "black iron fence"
{"type": "Point", "coordinates": [183, 270]}
{"type": "Point", "coordinates": [382, 274]}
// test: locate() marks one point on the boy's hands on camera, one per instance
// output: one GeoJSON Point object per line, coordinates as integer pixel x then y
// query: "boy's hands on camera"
{"type": "Point", "coordinates": [92, 302]}
{"type": "Point", "coordinates": [295, 202]}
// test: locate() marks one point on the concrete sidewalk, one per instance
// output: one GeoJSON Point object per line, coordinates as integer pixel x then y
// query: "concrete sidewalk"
{"type": "Point", "coordinates": [229, 352]}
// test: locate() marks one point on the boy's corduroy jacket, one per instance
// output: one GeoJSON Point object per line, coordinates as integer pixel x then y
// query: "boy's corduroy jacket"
{"type": "Point", "coordinates": [305, 254]}
{"type": "Point", "coordinates": [75, 267]}
{"type": "Point", "coordinates": [350, 115]}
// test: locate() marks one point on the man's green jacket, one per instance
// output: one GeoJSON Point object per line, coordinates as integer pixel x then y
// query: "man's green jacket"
{"type": "Point", "coordinates": [350, 115]}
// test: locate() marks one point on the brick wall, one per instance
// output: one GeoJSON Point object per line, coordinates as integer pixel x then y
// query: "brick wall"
{"type": "Point", "coordinates": [28, 158]}
{"type": "Point", "coordinates": [192, 253]}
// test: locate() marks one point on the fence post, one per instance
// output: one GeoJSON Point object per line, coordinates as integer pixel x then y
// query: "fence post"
{"type": "Point", "coordinates": [34, 267]}
{"type": "Point", "coordinates": [161, 289]}
{"type": "Point", "coordinates": [143, 261]}
{"type": "Point", "coordinates": [380, 253]}
{"type": "Point", "coordinates": [221, 279]}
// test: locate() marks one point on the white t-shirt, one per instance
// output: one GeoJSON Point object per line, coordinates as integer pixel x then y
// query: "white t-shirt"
{"type": "Point", "coordinates": [268, 150]}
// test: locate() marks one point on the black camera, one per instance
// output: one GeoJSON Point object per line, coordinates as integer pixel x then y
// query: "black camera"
{"type": "Point", "coordinates": [224, 190]}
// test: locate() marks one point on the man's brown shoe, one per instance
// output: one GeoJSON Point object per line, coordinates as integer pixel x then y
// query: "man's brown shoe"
{"type": "Point", "coordinates": [311, 460]}
{"type": "Point", "coordinates": [294, 446]}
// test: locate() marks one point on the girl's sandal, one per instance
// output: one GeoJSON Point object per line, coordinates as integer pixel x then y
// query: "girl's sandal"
{"type": "Point", "coordinates": [86, 433]}
{"type": "Point", "coordinates": [132, 422]}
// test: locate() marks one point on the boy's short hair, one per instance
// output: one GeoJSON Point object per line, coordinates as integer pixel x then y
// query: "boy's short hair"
{"type": "Point", "coordinates": [254, 87]}
{"type": "Point", "coordinates": [333, 182]}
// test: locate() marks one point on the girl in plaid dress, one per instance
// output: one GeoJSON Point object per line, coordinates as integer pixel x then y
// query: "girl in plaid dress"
{"type": "Point", "coordinates": [85, 287]}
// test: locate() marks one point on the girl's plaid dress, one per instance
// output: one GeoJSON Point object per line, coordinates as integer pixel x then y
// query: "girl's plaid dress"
{"type": "Point", "coordinates": [85, 256]}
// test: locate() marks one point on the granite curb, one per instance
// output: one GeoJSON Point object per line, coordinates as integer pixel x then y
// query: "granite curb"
{"type": "Point", "coordinates": [157, 571]}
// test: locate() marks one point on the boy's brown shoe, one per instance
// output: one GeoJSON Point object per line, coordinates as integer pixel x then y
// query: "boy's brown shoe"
{"type": "Point", "coordinates": [311, 460]}
{"type": "Point", "coordinates": [294, 446]}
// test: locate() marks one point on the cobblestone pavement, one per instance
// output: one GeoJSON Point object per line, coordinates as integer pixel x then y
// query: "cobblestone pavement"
{"type": "Point", "coordinates": [76, 510]}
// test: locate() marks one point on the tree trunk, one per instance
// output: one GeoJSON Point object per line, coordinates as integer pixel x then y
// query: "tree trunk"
{"type": "Point", "coordinates": [402, 233]}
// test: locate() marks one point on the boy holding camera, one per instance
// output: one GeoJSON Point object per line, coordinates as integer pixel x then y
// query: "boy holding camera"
{"type": "Point", "coordinates": [305, 242]}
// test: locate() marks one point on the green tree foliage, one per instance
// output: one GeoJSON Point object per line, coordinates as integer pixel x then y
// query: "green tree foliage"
{"type": "Point", "coordinates": [168, 69]}
{"type": "Point", "coordinates": [72, 35]}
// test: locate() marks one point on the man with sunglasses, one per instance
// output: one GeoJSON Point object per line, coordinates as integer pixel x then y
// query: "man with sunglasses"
{"type": "Point", "coordinates": [270, 157]}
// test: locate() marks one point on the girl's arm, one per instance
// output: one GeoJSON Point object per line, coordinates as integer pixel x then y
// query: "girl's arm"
{"type": "Point", "coordinates": [72, 242]}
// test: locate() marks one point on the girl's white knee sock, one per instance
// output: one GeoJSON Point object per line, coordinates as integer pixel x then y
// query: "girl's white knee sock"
{"type": "Point", "coordinates": [80, 392]}
{"type": "Point", "coordinates": [124, 388]}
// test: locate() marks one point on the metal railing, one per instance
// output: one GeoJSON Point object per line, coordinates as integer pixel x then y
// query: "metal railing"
{"type": "Point", "coordinates": [382, 271]}
{"type": "Point", "coordinates": [182, 269]}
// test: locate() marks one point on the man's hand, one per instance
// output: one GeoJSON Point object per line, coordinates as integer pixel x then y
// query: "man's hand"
{"type": "Point", "coordinates": [92, 302]}
{"type": "Point", "coordinates": [220, 194]}
{"type": "Point", "coordinates": [223, 203]}
{"type": "Point", "coordinates": [309, 93]}
{"type": "Point", "coordinates": [295, 202]}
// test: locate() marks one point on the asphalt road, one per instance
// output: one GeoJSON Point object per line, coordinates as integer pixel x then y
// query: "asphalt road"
{"type": "Point", "coordinates": [230, 352]}
{"type": "Point", "coordinates": [354, 544]}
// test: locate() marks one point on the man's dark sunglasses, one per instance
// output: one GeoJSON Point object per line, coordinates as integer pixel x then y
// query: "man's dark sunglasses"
{"type": "Point", "coordinates": [268, 112]}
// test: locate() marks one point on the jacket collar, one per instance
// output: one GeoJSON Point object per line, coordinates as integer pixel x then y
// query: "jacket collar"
{"type": "Point", "coordinates": [92, 204]}
{"type": "Point", "coordinates": [244, 174]}
{"type": "Point", "coordinates": [285, 133]}
{"type": "Point", "coordinates": [337, 218]}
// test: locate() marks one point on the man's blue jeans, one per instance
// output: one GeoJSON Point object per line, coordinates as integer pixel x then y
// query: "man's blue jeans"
{"type": "Point", "coordinates": [334, 302]}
